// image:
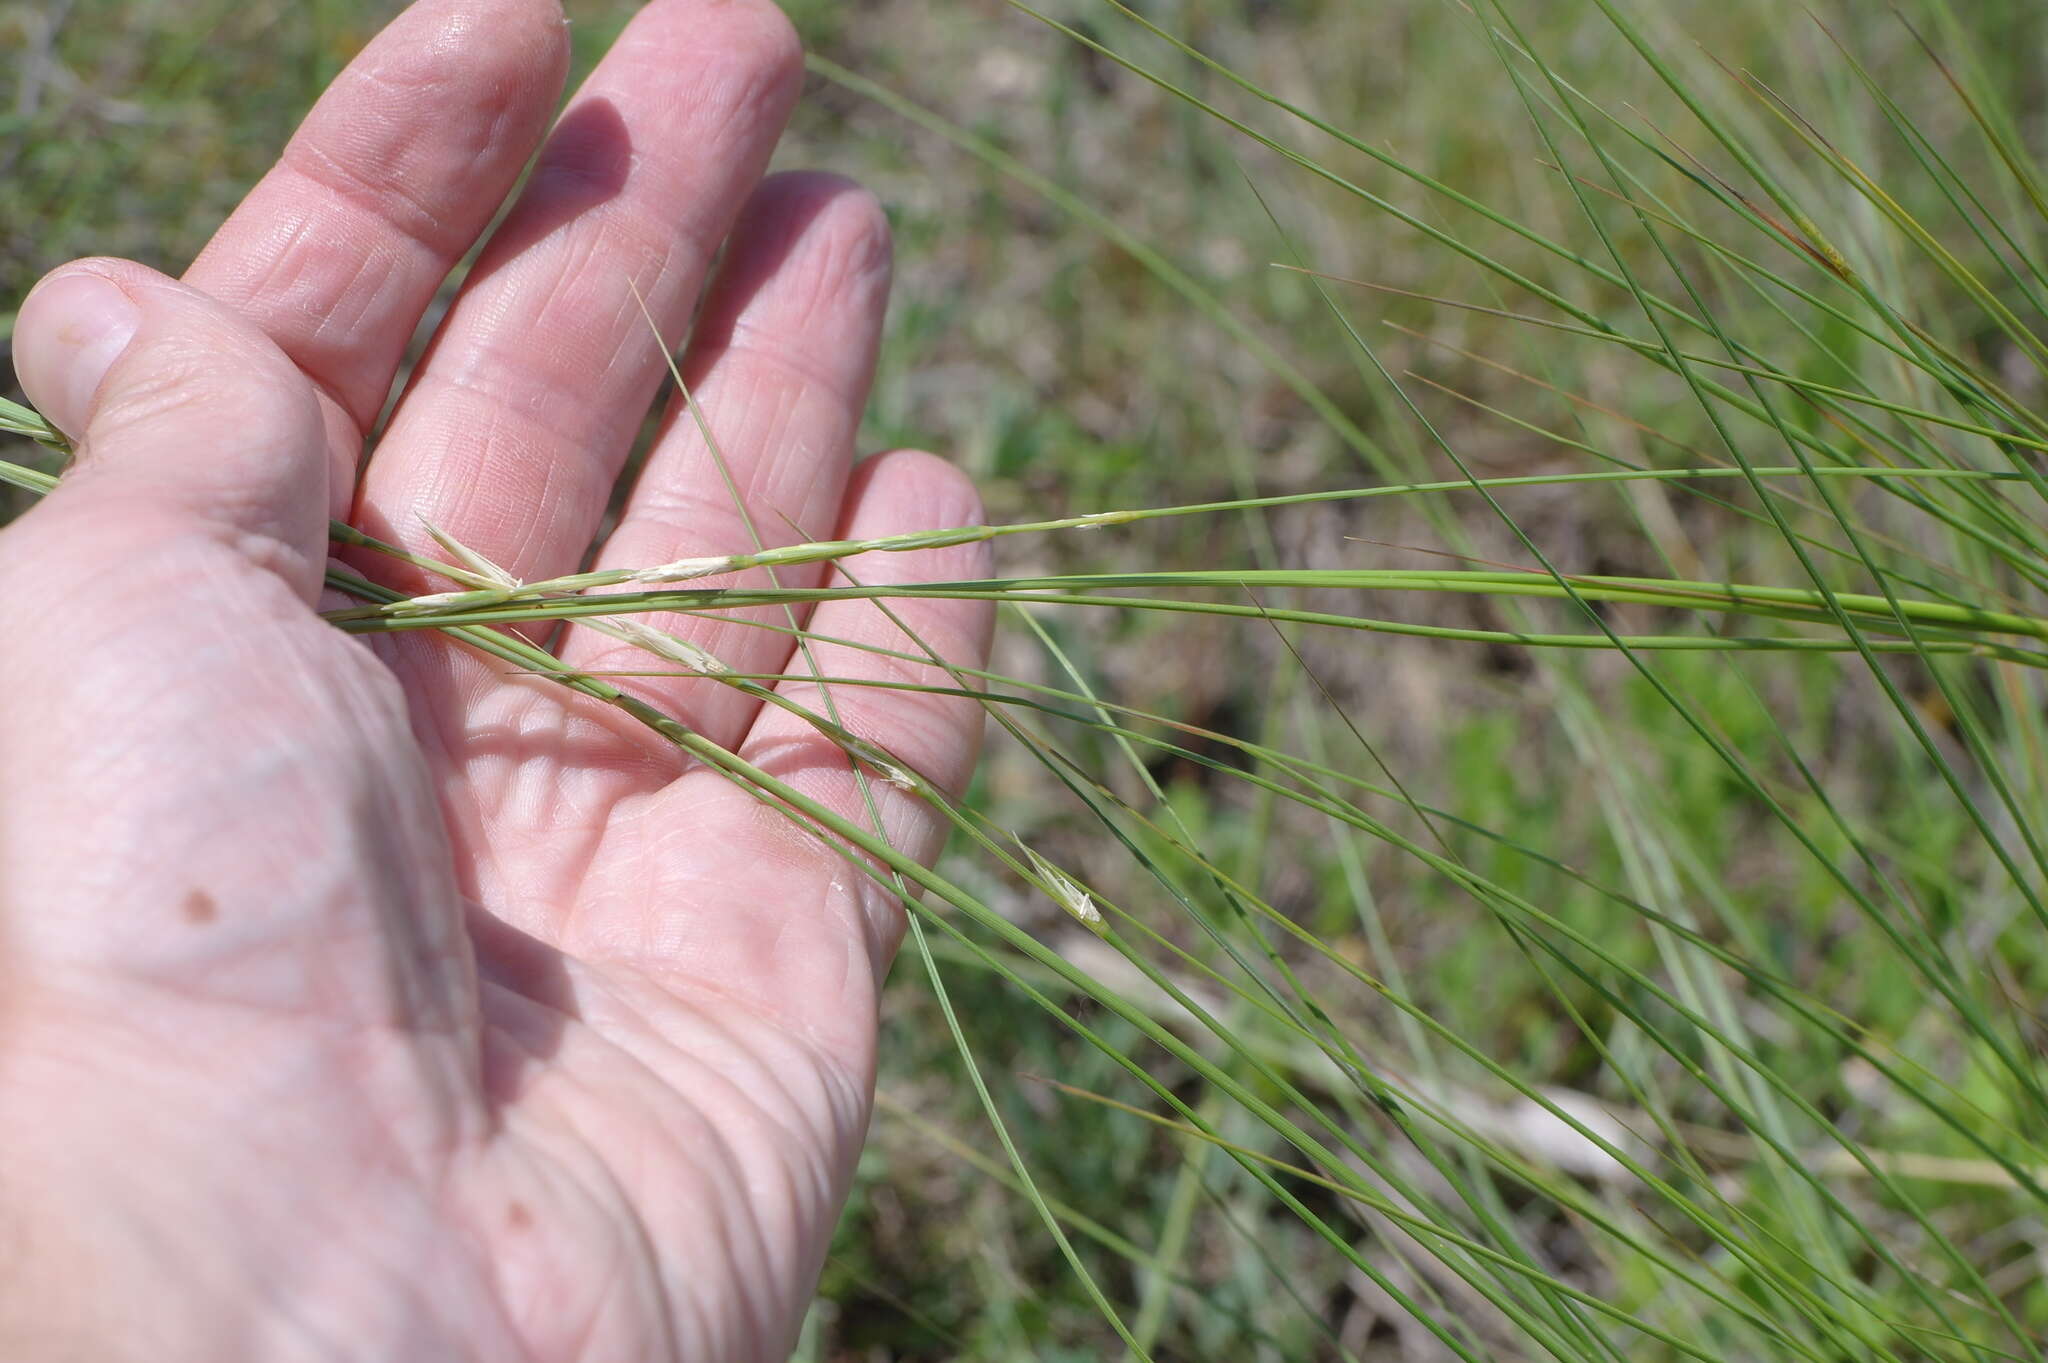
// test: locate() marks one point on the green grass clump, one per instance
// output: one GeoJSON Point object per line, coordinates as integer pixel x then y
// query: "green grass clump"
{"type": "Point", "coordinates": [1516, 821]}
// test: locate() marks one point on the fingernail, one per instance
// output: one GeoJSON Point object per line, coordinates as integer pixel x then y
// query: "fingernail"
{"type": "Point", "coordinates": [71, 331]}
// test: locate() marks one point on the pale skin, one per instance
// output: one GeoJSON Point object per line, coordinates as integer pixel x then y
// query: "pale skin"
{"type": "Point", "coordinates": [363, 1000]}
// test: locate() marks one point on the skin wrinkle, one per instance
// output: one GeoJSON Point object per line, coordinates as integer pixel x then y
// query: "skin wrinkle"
{"type": "Point", "coordinates": [781, 1184]}
{"type": "Point", "coordinates": [293, 265]}
{"type": "Point", "coordinates": [176, 371]}
{"type": "Point", "coordinates": [767, 337]}
{"type": "Point", "coordinates": [863, 622]}
{"type": "Point", "coordinates": [372, 283]}
{"type": "Point", "coordinates": [819, 771]}
{"type": "Point", "coordinates": [804, 375]}
{"type": "Point", "coordinates": [551, 497]}
{"type": "Point", "coordinates": [488, 445]}
{"type": "Point", "coordinates": [391, 202]}
{"type": "Point", "coordinates": [480, 447]}
{"type": "Point", "coordinates": [343, 427]}
{"type": "Point", "coordinates": [527, 396]}
{"type": "Point", "coordinates": [416, 74]}
{"type": "Point", "coordinates": [526, 899]}
{"type": "Point", "coordinates": [649, 262]}
{"type": "Point", "coordinates": [672, 961]}
{"type": "Point", "coordinates": [819, 1061]}
{"type": "Point", "coordinates": [612, 1195]}
{"type": "Point", "coordinates": [905, 821]}
{"type": "Point", "coordinates": [747, 95]}
{"type": "Point", "coordinates": [594, 791]}
{"type": "Point", "coordinates": [629, 1228]}
{"type": "Point", "coordinates": [560, 416]}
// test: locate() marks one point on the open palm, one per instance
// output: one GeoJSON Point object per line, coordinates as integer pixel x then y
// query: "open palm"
{"type": "Point", "coordinates": [383, 1002]}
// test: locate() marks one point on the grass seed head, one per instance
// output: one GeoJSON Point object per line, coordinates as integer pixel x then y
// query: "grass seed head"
{"type": "Point", "coordinates": [664, 645]}
{"type": "Point", "coordinates": [685, 570]}
{"type": "Point", "coordinates": [1066, 892]}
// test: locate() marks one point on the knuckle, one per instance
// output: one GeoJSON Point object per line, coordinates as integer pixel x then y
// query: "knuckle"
{"type": "Point", "coordinates": [240, 395]}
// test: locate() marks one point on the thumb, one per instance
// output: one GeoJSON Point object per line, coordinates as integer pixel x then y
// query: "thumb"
{"type": "Point", "coordinates": [179, 408]}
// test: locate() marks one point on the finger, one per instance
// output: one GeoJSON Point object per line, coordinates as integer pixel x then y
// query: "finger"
{"type": "Point", "coordinates": [934, 736]}
{"type": "Point", "coordinates": [179, 408]}
{"type": "Point", "coordinates": [780, 367]}
{"type": "Point", "coordinates": [519, 418]}
{"type": "Point", "coordinates": [778, 926]}
{"type": "Point", "coordinates": [337, 252]}
{"type": "Point", "coordinates": [226, 804]}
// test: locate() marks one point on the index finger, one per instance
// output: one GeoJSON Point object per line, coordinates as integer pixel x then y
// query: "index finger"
{"type": "Point", "coordinates": [400, 166]}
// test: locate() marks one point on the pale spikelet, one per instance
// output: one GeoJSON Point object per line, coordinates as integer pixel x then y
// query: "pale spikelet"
{"type": "Point", "coordinates": [684, 570]}
{"type": "Point", "coordinates": [1102, 518]}
{"type": "Point", "coordinates": [470, 558]}
{"type": "Point", "coordinates": [897, 777]}
{"type": "Point", "coordinates": [433, 601]}
{"type": "Point", "coordinates": [663, 645]}
{"type": "Point", "coordinates": [1064, 891]}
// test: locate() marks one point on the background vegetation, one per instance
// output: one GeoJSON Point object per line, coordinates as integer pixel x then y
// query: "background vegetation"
{"type": "Point", "coordinates": [1662, 999]}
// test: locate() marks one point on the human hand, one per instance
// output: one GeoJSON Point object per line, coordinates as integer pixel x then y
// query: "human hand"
{"type": "Point", "coordinates": [372, 1001]}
